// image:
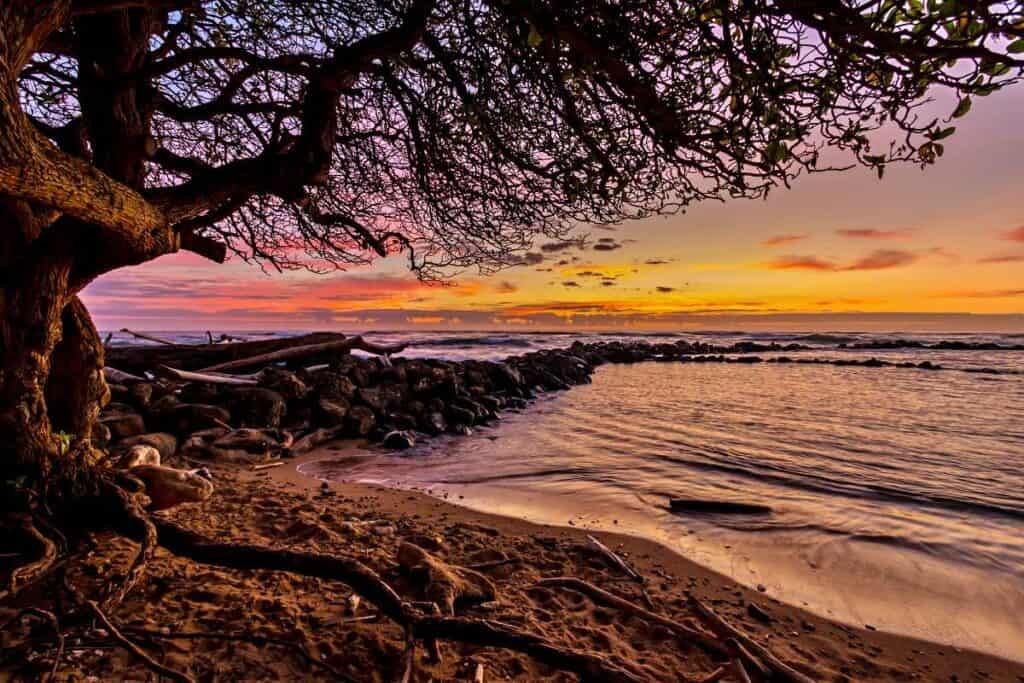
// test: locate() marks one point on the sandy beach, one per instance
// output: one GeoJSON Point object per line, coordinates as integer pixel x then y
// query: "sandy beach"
{"type": "Point", "coordinates": [255, 625]}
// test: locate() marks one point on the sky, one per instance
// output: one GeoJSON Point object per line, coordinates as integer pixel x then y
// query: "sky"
{"type": "Point", "coordinates": [939, 249]}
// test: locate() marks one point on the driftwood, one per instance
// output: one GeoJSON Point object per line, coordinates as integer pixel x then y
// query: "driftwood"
{"type": "Point", "coordinates": [205, 377]}
{"type": "Point", "coordinates": [603, 597]}
{"type": "Point", "coordinates": [267, 465]}
{"type": "Point", "coordinates": [141, 359]}
{"type": "Point", "coordinates": [784, 671]}
{"type": "Point", "coordinates": [614, 558]}
{"type": "Point", "coordinates": [115, 376]}
{"type": "Point", "coordinates": [149, 337]}
{"type": "Point", "coordinates": [306, 351]}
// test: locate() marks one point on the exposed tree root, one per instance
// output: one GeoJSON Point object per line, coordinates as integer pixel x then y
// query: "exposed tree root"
{"type": "Point", "coordinates": [291, 645]}
{"type": "Point", "coordinates": [34, 570]}
{"type": "Point", "coordinates": [139, 653]}
{"type": "Point", "coordinates": [486, 633]}
{"type": "Point", "coordinates": [368, 583]}
{"type": "Point", "coordinates": [139, 526]}
{"type": "Point", "coordinates": [601, 596]}
{"type": "Point", "coordinates": [50, 618]}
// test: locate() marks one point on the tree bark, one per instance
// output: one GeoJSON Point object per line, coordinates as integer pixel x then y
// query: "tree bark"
{"type": "Point", "coordinates": [51, 362]}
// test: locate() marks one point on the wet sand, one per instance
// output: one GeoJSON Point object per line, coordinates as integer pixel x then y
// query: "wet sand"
{"type": "Point", "coordinates": [283, 508]}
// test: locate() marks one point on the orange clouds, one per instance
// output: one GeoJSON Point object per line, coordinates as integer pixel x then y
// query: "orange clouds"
{"type": "Point", "coordinates": [1016, 235]}
{"type": "Point", "coordinates": [880, 259]}
{"type": "Point", "coordinates": [1002, 258]}
{"type": "Point", "coordinates": [782, 239]}
{"type": "Point", "coordinates": [872, 234]}
{"type": "Point", "coordinates": [801, 263]}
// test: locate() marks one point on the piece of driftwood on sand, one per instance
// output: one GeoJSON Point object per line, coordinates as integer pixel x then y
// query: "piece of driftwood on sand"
{"type": "Point", "coordinates": [612, 557]}
{"type": "Point", "coordinates": [716, 623]}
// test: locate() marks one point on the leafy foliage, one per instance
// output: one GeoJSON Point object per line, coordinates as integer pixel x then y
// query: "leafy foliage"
{"type": "Point", "coordinates": [322, 133]}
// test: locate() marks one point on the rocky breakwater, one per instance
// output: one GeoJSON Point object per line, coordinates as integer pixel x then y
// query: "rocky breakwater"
{"type": "Point", "coordinates": [289, 407]}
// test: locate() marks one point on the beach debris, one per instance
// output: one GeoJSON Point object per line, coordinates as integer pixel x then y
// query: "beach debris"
{"type": "Point", "coordinates": [206, 377]}
{"type": "Point", "coordinates": [761, 654]}
{"type": "Point", "coordinates": [149, 337]}
{"type": "Point", "coordinates": [140, 654]}
{"type": "Point", "coordinates": [167, 487]}
{"type": "Point", "coordinates": [478, 673]}
{"type": "Point", "coordinates": [445, 584]}
{"type": "Point", "coordinates": [604, 550]}
{"type": "Point", "coordinates": [307, 351]}
{"type": "Point", "coordinates": [139, 454]}
{"type": "Point", "coordinates": [267, 465]}
{"type": "Point", "coordinates": [352, 604]}
{"type": "Point", "coordinates": [696, 505]}
{"type": "Point", "coordinates": [115, 376]}
{"type": "Point", "coordinates": [603, 597]}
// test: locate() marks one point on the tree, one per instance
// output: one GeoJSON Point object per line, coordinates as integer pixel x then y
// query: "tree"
{"type": "Point", "coordinates": [324, 133]}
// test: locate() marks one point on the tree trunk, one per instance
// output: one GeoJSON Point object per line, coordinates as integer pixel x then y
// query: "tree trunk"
{"type": "Point", "coordinates": [50, 365]}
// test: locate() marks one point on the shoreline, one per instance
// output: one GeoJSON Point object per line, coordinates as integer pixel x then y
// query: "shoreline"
{"type": "Point", "coordinates": [933, 661]}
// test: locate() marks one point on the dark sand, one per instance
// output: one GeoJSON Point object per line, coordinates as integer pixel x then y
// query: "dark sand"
{"type": "Point", "coordinates": [283, 508]}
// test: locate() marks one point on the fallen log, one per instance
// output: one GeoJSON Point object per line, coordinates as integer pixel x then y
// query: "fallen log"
{"type": "Point", "coordinates": [307, 351]}
{"type": "Point", "coordinates": [138, 359]}
{"type": "Point", "coordinates": [717, 506]}
{"type": "Point", "coordinates": [784, 671]}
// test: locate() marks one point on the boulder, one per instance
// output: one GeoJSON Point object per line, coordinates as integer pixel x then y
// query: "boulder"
{"type": "Point", "coordinates": [433, 423]}
{"type": "Point", "coordinates": [331, 412]}
{"type": "Point", "coordinates": [333, 385]}
{"type": "Point", "coordinates": [139, 455]}
{"type": "Point", "coordinates": [461, 416]}
{"type": "Point", "coordinates": [167, 487]}
{"type": "Point", "coordinates": [359, 421]}
{"type": "Point", "coordinates": [257, 407]}
{"type": "Point", "coordinates": [123, 424]}
{"type": "Point", "coordinates": [165, 444]}
{"type": "Point", "coordinates": [284, 382]}
{"type": "Point", "coordinates": [399, 440]}
{"type": "Point", "coordinates": [186, 418]}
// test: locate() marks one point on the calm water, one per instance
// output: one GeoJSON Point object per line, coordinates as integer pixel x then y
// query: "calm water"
{"type": "Point", "coordinates": [897, 495]}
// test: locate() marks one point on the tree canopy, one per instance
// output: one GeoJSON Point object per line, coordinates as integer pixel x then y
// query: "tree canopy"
{"type": "Point", "coordinates": [321, 133]}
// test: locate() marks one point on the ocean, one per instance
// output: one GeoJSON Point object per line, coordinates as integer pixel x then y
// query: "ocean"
{"type": "Point", "coordinates": [897, 495]}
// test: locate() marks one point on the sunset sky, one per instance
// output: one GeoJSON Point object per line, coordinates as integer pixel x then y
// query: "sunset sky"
{"type": "Point", "coordinates": [838, 251]}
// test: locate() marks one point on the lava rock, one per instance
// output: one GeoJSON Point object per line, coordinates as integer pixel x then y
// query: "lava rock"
{"type": "Point", "coordinates": [283, 382]}
{"type": "Point", "coordinates": [360, 421]}
{"type": "Point", "coordinates": [399, 440]}
{"type": "Point", "coordinates": [123, 424]}
{"type": "Point", "coordinates": [331, 412]}
{"type": "Point", "coordinates": [257, 407]}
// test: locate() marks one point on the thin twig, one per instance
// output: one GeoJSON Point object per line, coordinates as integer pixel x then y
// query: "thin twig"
{"type": "Point", "coordinates": [139, 653]}
{"type": "Point", "coordinates": [247, 638]}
